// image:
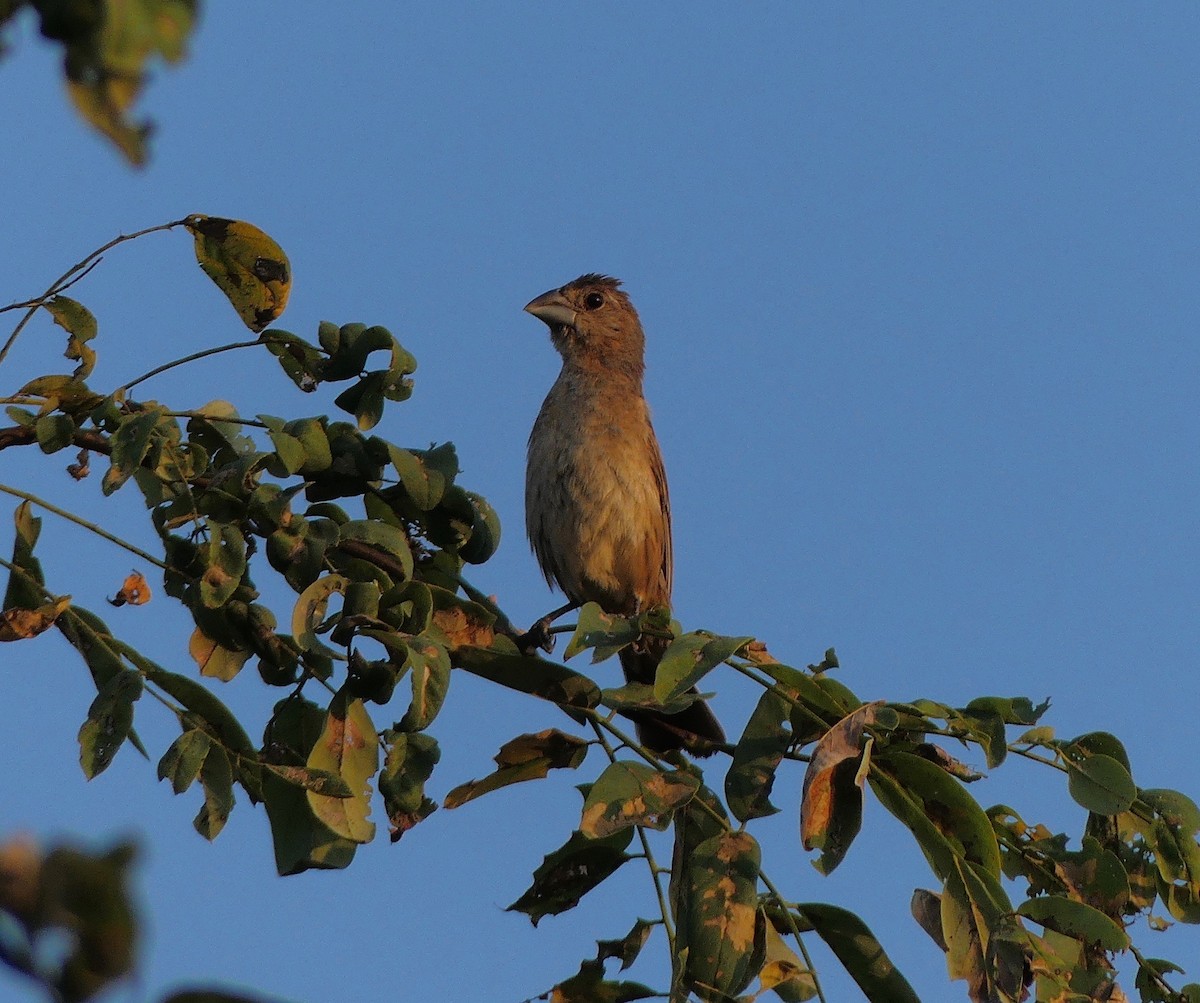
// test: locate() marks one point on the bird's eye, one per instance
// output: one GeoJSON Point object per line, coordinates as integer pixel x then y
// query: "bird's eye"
{"type": "Point", "coordinates": [593, 301]}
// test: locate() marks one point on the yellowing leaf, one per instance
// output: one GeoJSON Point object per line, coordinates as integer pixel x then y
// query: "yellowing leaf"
{"type": "Point", "coordinates": [348, 747]}
{"type": "Point", "coordinates": [215, 661]}
{"type": "Point", "coordinates": [104, 101]}
{"type": "Point", "coordinates": [78, 321]}
{"type": "Point", "coordinates": [246, 264]}
{"type": "Point", "coordinates": [19, 624]}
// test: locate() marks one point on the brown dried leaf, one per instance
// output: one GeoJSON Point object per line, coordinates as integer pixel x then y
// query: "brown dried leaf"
{"type": "Point", "coordinates": [832, 800]}
{"type": "Point", "coordinates": [134, 591]}
{"type": "Point", "coordinates": [20, 624]}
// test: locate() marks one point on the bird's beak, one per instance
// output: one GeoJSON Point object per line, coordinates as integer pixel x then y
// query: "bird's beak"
{"type": "Point", "coordinates": [552, 309]}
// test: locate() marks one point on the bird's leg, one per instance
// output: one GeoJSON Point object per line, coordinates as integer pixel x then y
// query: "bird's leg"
{"type": "Point", "coordinates": [539, 636]}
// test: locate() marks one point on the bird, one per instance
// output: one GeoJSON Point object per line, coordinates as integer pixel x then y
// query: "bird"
{"type": "Point", "coordinates": [597, 511]}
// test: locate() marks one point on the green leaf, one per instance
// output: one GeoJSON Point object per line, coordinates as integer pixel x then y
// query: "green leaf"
{"type": "Point", "coordinates": [946, 821]}
{"type": "Point", "coordinates": [317, 781]}
{"type": "Point", "coordinates": [423, 485]}
{"type": "Point", "coordinates": [1075, 919]}
{"type": "Point", "coordinates": [813, 700]}
{"type": "Point", "coordinates": [430, 675]}
{"type": "Point", "coordinates": [130, 445]}
{"type": "Point", "coordinates": [629, 793]}
{"type": "Point", "coordinates": [108, 722]}
{"type": "Point", "coordinates": [290, 453]}
{"type": "Point", "coordinates": [301, 840]}
{"type": "Point", "coordinates": [758, 754]}
{"type": "Point", "coordinates": [225, 564]}
{"type": "Point", "coordinates": [382, 536]}
{"type": "Point", "coordinates": [108, 48]}
{"type": "Point", "coordinates": [570, 872]}
{"type": "Point", "coordinates": [628, 947]}
{"type": "Point", "coordinates": [216, 776]}
{"type": "Point", "coordinates": [301, 361]}
{"type": "Point", "coordinates": [309, 610]}
{"type": "Point", "coordinates": [606, 633]}
{"type": "Point", "coordinates": [201, 702]}
{"type": "Point", "coordinates": [502, 664]}
{"type": "Point", "coordinates": [23, 590]}
{"type": "Point", "coordinates": [484, 540]}
{"type": "Point", "coordinates": [408, 765]}
{"type": "Point", "coordinates": [54, 432]}
{"type": "Point", "coordinates": [1012, 710]}
{"type": "Point", "coordinates": [80, 324]}
{"type": "Point", "coordinates": [1100, 783]}
{"type": "Point", "coordinates": [88, 895]}
{"type": "Point", "coordinates": [588, 985]}
{"type": "Point", "coordinates": [860, 953]}
{"type": "Point", "coordinates": [1101, 743]}
{"type": "Point", "coordinates": [66, 392]}
{"type": "Point", "coordinates": [986, 726]}
{"type": "Point", "coordinates": [311, 434]}
{"type": "Point", "coordinates": [689, 658]}
{"type": "Point", "coordinates": [348, 747]}
{"type": "Point", "coordinates": [349, 346]}
{"type": "Point", "coordinates": [182, 761]}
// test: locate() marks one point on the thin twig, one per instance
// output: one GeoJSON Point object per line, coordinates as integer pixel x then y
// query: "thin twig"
{"type": "Point", "coordinates": [655, 870]}
{"type": "Point", "coordinates": [795, 931]}
{"type": "Point", "coordinates": [80, 521]}
{"type": "Point", "coordinates": [188, 358]}
{"type": "Point", "coordinates": [69, 277]}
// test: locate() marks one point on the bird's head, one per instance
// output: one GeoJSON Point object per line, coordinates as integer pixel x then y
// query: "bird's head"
{"type": "Point", "coordinates": [592, 324]}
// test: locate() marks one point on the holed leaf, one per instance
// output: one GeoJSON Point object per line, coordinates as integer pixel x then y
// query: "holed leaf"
{"type": "Point", "coordinates": [1077, 920]}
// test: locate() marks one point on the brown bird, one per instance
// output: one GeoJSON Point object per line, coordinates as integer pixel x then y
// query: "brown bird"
{"type": "Point", "coordinates": [596, 505]}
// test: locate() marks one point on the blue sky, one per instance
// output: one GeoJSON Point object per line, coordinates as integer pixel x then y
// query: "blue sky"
{"type": "Point", "coordinates": [919, 291]}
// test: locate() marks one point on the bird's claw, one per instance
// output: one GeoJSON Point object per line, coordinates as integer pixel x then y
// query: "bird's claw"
{"type": "Point", "coordinates": [537, 638]}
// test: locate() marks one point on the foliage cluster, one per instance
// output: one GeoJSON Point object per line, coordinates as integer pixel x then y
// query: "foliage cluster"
{"type": "Point", "coordinates": [107, 46]}
{"type": "Point", "coordinates": [374, 539]}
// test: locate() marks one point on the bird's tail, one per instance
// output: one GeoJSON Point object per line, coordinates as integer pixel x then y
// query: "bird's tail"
{"type": "Point", "coordinates": [694, 729]}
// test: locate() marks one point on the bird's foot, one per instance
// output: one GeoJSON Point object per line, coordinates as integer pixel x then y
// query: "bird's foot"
{"type": "Point", "coordinates": [537, 638]}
